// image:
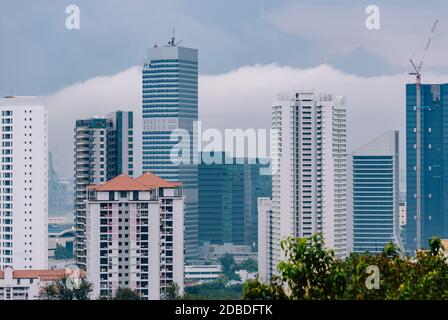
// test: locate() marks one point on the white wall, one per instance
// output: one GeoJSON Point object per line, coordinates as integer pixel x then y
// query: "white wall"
{"type": "Point", "coordinates": [30, 182]}
{"type": "Point", "coordinates": [154, 251]}
{"type": "Point", "coordinates": [264, 213]}
{"type": "Point", "coordinates": [178, 243]}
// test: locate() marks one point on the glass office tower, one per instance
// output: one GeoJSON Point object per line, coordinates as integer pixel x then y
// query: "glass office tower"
{"type": "Point", "coordinates": [434, 161]}
{"type": "Point", "coordinates": [228, 194]}
{"type": "Point", "coordinates": [170, 103]}
{"type": "Point", "coordinates": [375, 194]}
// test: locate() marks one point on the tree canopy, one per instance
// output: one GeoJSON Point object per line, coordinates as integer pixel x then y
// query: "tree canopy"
{"type": "Point", "coordinates": [63, 289]}
{"type": "Point", "coordinates": [126, 294]}
{"type": "Point", "coordinates": [311, 271]}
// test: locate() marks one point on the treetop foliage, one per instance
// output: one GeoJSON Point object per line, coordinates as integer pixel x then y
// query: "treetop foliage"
{"type": "Point", "coordinates": [311, 272]}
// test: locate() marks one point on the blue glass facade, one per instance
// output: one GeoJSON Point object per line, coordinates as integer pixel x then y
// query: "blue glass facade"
{"type": "Point", "coordinates": [375, 190]}
{"type": "Point", "coordinates": [228, 201]}
{"type": "Point", "coordinates": [169, 103]}
{"type": "Point", "coordinates": [434, 160]}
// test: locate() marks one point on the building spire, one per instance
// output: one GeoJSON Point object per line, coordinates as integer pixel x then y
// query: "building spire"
{"type": "Point", "coordinates": [173, 38]}
{"type": "Point", "coordinates": [173, 42]}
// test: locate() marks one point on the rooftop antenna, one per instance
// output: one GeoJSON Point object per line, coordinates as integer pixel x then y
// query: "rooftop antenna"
{"type": "Point", "coordinates": [417, 73]}
{"type": "Point", "coordinates": [173, 42]}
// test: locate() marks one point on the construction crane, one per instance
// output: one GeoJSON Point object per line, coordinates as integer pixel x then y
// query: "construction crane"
{"type": "Point", "coordinates": [417, 74]}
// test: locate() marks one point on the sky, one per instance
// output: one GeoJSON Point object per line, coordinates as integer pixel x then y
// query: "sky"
{"type": "Point", "coordinates": [248, 51]}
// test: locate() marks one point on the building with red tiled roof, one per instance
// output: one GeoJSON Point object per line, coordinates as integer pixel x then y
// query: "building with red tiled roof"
{"type": "Point", "coordinates": [27, 284]}
{"type": "Point", "coordinates": [104, 148]}
{"type": "Point", "coordinates": [146, 181]}
{"type": "Point", "coordinates": [120, 183]}
{"type": "Point", "coordinates": [153, 181]}
{"type": "Point", "coordinates": [135, 235]}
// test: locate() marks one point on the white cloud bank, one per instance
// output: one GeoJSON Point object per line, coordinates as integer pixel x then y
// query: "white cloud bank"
{"type": "Point", "coordinates": [240, 98]}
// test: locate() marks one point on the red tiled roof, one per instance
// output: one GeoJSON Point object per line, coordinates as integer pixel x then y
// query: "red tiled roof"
{"type": "Point", "coordinates": [153, 181]}
{"type": "Point", "coordinates": [44, 275]}
{"type": "Point", "coordinates": [145, 182]}
{"type": "Point", "coordinates": [120, 183]}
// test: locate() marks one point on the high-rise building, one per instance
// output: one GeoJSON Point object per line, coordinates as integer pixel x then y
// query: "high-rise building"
{"type": "Point", "coordinates": [24, 181]}
{"type": "Point", "coordinates": [434, 159]}
{"type": "Point", "coordinates": [60, 193]}
{"type": "Point", "coordinates": [228, 193]}
{"type": "Point", "coordinates": [103, 149]}
{"type": "Point", "coordinates": [265, 264]}
{"type": "Point", "coordinates": [135, 236]}
{"type": "Point", "coordinates": [309, 158]}
{"type": "Point", "coordinates": [374, 194]}
{"type": "Point", "coordinates": [170, 104]}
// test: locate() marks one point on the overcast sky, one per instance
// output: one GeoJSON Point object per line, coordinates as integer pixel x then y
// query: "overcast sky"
{"type": "Point", "coordinates": [248, 51]}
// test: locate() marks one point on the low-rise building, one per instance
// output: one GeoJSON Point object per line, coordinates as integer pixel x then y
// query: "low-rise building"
{"type": "Point", "coordinates": [246, 275]}
{"type": "Point", "coordinates": [26, 284]}
{"type": "Point", "coordinates": [195, 274]}
{"type": "Point", "coordinates": [213, 252]}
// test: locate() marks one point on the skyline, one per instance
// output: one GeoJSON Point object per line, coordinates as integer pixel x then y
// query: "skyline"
{"type": "Point", "coordinates": [370, 112]}
{"type": "Point", "coordinates": [261, 39]}
{"type": "Point", "coordinates": [106, 81]}
{"type": "Point", "coordinates": [264, 150]}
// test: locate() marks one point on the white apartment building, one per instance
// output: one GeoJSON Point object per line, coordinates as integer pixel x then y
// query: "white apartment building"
{"type": "Point", "coordinates": [309, 159]}
{"type": "Point", "coordinates": [135, 236]}
{"type": "Point", "coordinates": [23, 183]}
{"type": "Point", "coordinates": [27, 284]}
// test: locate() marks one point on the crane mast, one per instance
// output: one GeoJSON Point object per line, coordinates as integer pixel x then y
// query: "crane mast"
{"type": "Point", "coordinates": [418, 165]}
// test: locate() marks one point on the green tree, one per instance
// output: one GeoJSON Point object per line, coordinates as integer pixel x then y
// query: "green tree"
{"type": "Point", "coordinates": [83, 291]}
{"type": "Point", "coordinates": [48, 292]}
{"type": "Point", "coordinates": [126, 294]}
{"type": "Point", "coordinates": [254, 290]}
{"type": "Point", "coordinates": [312, 272]}
{"type": "Point", "coordinates": [214, 290]}
{"type": "Point", "coordinates": [249, 264]}
{"type": "Point", "coordinates": [228, 264]}
{"type": "Point", "coordinates": [63, 289]}
{"type": "Point", "coordinates": [172, 292]}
